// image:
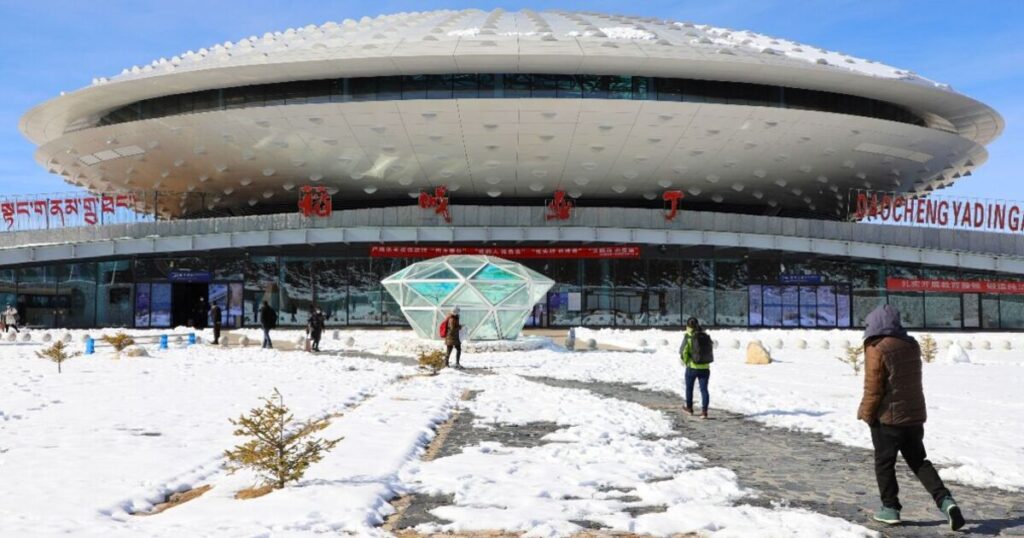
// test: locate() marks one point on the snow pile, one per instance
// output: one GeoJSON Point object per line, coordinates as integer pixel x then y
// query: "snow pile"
{"type": "Point", "coordinates": [955, 354]}
{"type": "Point", "coordinates": [413, 345]}
{"type": "Point", "coordinates": [609, 456]}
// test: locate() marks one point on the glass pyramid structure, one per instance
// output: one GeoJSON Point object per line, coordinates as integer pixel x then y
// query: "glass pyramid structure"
{"type": "Point", "coordinates": [494, 295]}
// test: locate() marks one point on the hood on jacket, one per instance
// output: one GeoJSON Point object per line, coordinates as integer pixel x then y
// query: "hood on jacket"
{"type": "Point", "coordinates": [884, 321]}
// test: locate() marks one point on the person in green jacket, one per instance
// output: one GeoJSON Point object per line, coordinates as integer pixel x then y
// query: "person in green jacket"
{"type": "Point", "coordinates": [694, 372]}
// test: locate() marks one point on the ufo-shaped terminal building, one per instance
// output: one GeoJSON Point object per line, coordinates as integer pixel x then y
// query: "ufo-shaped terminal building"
{"type": "Point", "coordinates": [655, 169]}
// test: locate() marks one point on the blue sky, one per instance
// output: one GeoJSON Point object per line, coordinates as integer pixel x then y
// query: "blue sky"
{"type": "Point", "coordinates": [973, 45]}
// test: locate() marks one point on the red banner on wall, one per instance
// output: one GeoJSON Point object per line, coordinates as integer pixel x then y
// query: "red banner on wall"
{"type": "Point", "coordinates": [955, 286]}
{"type": "Point", "coordinates": [398, 251]}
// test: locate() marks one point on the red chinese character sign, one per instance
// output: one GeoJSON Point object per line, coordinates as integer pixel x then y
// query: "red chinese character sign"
{"type": "Point", "coordinates": [672, 200]}
{"type": "Point", "coordinates": [437, 201]}
{"type": "Point", "coordinates": [955, 286]}
{"type": "Point", "coordinates": [560, 207]}
{"type": "Point", "coordinates": [315, 201]}
{"type": "Point", "coordinates": [573, 252]}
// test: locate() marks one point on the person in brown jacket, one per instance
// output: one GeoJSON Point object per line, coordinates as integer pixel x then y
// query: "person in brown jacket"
{"type": "Point", "coordinates": [452, 338]}
{"type": "Point", "coordinates": [893, 406]}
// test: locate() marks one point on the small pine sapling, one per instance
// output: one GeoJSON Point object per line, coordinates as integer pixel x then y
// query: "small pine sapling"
{"type": "Point", "coordinates": [929, 348]}
{"type": "Point", "coordinates": [119, 341]}
{"type": "Point", "coordinates": [432, 360]}
{"type": "Point", "coordinates": [279, 450]}
{"type": "Point", "coordinates": [854, 356]}
{"type": "Point", "coordinates": [57, 353]}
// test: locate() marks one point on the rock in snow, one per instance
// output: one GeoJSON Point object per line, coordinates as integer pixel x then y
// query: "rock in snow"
{"type": "Point", "coordinates": [757, 354]}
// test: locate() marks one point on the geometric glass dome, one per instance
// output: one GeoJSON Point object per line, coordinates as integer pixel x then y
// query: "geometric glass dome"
{"type": "Point", "coordinates": [494, 295]}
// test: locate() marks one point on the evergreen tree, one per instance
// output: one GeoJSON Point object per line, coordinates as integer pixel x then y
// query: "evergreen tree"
{"type": "Point", "coordinates": [279, 451]}
{"type": "Point", "coordinates": [57, 353]}
{"type": "Point", "coordinates": [854, 356]}
{"type": "Point", "coordinates": [928, 348]}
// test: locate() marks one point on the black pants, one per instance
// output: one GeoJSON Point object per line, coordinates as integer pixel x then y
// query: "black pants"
{"type": "Point", "coordinates": [10, 326]}
{"type": "Point", "coordinates": [267, 344]}
{"type": "Point", "coordinates": [216, 334]}
{"type": "Point", "coordinates": [457, 346]}
{"type": "Point", "coordinates": [315, 335]}
{"type": "Point", "coordinates": [906, 440]}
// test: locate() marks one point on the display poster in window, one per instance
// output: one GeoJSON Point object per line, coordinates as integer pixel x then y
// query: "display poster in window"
{"type": "Point", "coordinates": [161, 311]}
{"type": "Point", "coordinates": [574, 301]}
{"type": "Point", "coordinates": [142, 305]}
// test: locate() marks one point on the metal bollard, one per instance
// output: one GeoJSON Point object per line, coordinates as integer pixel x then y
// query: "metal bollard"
{"type": "Point", "coordinates": [90, 345]}
{"type": "Point", "coordinates": [191, 339]}
{"type": "Point", "coordinates": [163, 341]}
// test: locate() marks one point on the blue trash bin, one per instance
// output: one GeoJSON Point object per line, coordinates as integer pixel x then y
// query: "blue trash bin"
{"type": "Point", "coordinates": [191, 339]}
{"type": "Point", "coordinates": [163, 341]}
{"type": "Point", "coordinates": [90, 345]}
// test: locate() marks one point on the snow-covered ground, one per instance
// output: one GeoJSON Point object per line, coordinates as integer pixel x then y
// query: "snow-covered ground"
{"type": "Point", "coordinates": [974, 427]}
{"type": "Point", "coordinates": [82, 450]}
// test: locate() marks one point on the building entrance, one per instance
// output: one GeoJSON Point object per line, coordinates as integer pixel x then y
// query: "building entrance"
{"type": "Point", "coordinates": [189, 304]}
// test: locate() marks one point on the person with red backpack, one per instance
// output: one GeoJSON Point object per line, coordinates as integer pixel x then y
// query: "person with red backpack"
{"type": "Point", "coordinates": [697, 354]}
{"type": "Point", "coordinates": [449, 330]}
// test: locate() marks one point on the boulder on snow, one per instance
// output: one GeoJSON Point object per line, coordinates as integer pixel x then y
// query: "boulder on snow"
{"type": "Point", "coordinates": [47, 337]}
{"type": "Point", "coordinates": [757, 354]}
{"type": "Point", "coordinates": [801, 343]}
{"type": "Point", "coordinates": [986, 345]}
{"type": "Point", "coordinates": [591, 344]}
{"type": "Point", "coordinates": [823, 344]}
{"type": "Point", "coordinates": [12, 337]}
{"type": "Point", "coordinates": [243, 340]}
{"type": "Point", "coordinates": [349, 342]}
{"type": "Point", "coordinates": [663, 343]}
{"type": "Point", "coordinates": [1007, 345]}
{"type": "Point", "coordinates": [66, 337]}
{"type": "Point", "coordinates": [642, 343]}
{"type": "Point", "coordinates": [26, 337]}
{"type": "Point", "coordinates": [134, 351]}
{"type": "Point", "coordinates": [778, 344]}
{"type": "Point", "coordinates": [335, 335]}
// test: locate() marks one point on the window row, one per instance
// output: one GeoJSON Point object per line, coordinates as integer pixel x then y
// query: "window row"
{"type": "Point", "coordinates": [497, 86]}
{"type": "Point", "coordinates": [148, 292]}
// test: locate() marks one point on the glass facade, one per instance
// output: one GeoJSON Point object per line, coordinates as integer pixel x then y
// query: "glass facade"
{"type": "Point", "coordinates": [658, 290]}
{"type": "Point", "coordinates": [509, 85]}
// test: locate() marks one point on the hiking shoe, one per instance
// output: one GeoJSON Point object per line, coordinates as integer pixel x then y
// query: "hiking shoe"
{"type": "Point", "coordinates": [953, 513]}
{"type": "Point", "coordinates": [688, 409]}
{"type": "Point", "coordinates": [704, 414]}
{"type": "Point", "coordinates": [889, 516]}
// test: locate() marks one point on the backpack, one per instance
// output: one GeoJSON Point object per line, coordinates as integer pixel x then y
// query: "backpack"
{"type": "Point", "coordinates": [703, 349]}
{"type": "Point", "coordinates": [443, 329]}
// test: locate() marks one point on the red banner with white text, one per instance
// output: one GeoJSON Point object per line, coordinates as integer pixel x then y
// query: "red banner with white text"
{"type": "Point", "coordinates": [955, 286]}
{"type": "Point", "coordinates": [416, 251]}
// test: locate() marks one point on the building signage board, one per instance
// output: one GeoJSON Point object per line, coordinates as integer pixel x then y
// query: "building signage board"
{"type": "Point", "coordinates": [189, 276]}
{"type": "Point", "coordinates": [64, 211]}
{"type": "Point", "coordinates": [955, 286]}
{"type": "Point", "coordinates": [917, 210]}
{"type": "Point", "coordinates": [801, 279]}
{"type": "Point", "coordinates": [416, 251]}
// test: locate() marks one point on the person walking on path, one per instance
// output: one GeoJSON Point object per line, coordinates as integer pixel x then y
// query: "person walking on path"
{"type": "Point", "coordinates": [696, 352]}
{"type": "Point", "coordinates": [11, 318]}
{"type": "Point", "coordinates": [268, 320]}
{"type": "Point", "coordinates": [315, 326]}
{"type": "Point", "coordinates": [452, 338]}
{"type": "Point", "coordinates": [215, 317]}
{"type": "Point", "coordinates": [893, 406]}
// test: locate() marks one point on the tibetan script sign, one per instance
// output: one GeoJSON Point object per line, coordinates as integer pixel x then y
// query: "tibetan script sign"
{"type": "Point", "coordinates": [64, 211]}
{"type": "Point", "coordinates": [912, 210]}
{"type": "Point", "coordinates": [315, 201]}
{"type": "Point", "coordinates": [399, 251]}
{"type": "Point", "coordinates": [955, 286]}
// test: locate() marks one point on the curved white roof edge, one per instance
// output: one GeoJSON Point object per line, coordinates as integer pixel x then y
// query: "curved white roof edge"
{"type": "Point", "coordinates": [472, 41]}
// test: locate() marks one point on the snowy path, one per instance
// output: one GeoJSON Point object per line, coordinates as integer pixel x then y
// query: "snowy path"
{"type": "Point", "coordinates": [552, 461]}
{"type": "Point", "coordinates": [805, 470]}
